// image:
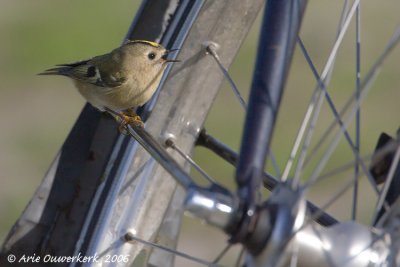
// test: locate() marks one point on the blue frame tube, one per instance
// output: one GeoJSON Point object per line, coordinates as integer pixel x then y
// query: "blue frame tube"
{"type": "Point", "coordinates": [279, 31]}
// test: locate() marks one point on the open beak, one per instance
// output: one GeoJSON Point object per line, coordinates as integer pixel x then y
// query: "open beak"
{"type": "Point", "coordinates": [166, 60]}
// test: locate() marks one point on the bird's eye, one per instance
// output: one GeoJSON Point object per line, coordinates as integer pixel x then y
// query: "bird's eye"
{"type": "Point", "coordinates": [151, 56]}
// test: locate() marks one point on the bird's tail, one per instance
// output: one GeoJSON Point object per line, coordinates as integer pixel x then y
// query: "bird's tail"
{"type": "Point", "coordinates": [63, 69]}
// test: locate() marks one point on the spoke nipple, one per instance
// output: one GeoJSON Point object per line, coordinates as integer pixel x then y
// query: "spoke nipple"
{"type": "Point", "coordinates": [250, 213]}
{"type": "Point", "coordinates": [211, 47]}
{"type": "Point", "coordinates": [169, 140]}
{"type": "Point", "coordinates": [130, 235]}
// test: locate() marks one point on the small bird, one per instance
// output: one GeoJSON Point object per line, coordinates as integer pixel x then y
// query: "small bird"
{"type": "Point", "coordinates": [121, 80]}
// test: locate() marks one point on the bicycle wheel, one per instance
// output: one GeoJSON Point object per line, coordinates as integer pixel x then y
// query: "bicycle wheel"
{"type": "Point", "coordinates": [126, 191]}
{"type": "Point", "coordinates": [353, 198]}
{"type": "Point", "coordinates": [144, 194]}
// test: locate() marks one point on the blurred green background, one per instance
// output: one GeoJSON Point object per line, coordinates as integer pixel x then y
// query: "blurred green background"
{"type": "Point", "coordinates": [36, 113]}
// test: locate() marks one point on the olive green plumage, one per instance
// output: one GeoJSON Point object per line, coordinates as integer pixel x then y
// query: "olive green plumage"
{"type": "Point", "coordinates": [125, 78]}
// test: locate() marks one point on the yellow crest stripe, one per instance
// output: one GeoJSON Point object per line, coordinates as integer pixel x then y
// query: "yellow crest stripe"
{"type": "Point", "coordinates": [154, 44]}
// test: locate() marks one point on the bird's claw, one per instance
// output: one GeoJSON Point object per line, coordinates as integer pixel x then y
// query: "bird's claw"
{"type": "Point", "coordinates": [125, 120]}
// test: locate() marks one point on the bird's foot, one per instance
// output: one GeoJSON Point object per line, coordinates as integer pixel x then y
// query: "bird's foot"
{"type": "Point", "coordinates": [130, 112]}
{"type": "Point", "coordinates": [127, 118]}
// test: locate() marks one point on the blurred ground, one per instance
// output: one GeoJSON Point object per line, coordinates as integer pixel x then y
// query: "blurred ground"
{"type": "Point", "coordinates": [36, 113]}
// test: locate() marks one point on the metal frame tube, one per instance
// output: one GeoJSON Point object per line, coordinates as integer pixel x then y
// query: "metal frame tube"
{"type": "Point", "coordinates": [279, 32]}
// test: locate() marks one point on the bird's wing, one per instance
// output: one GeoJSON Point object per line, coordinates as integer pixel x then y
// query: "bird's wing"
{"type": "Point", "coordinates": [89, 71]}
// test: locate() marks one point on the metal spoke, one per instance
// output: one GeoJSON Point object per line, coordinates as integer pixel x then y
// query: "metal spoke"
{"type": "Point", "coordinates": [269, 181]}
{"type": "Point", "coordinates": [357, 137]}
{"type": "Point", "coordinates": [239, 259]}
{"type": "Point", "coordinates": [274, 163]}
{"type": "Point", "coordinates": [364, 88]}
{"type": "Point", "coordinates": [222, 253]}
{"type": "Point", "coordinates": [299, 136]}
{"type": "Point", "coordinates": [323, 94]}
{"type": "Point", "coordinates": [315, 215]}
{"type": "Point", "coordinates": [381, 199]}
{"type": "Point", "coordinates": [295, 257]}
{"type": "Point", "coordinates": [327, 204]}
{"type": "Point", "coordinates": [339, 39]}
{"type": "Point", "coordinates": [310, 108]}
{"type": "Point", "coordinates": [343, 14]}
{"type": "Point", "coordinates": [324, 160]}
{"type": "Point", "coordinates": [314, 104]}
{"type": "Point", "coordinates": [377, 155]}
{"type": "Point", "coordinates": [130, 237]}
{"type": "Point", "coordinates": [139, 133]}
{"type": "Point", "coordinates": [366, 85]}
{"type": "Point", "coordinates": [338, 120]}
{"type": "Point", "coordinates": [343, 168]}
{"type": "Point", "coordinates": [170, 143]}
{"type": "Point", "coordinates": [211, 49]}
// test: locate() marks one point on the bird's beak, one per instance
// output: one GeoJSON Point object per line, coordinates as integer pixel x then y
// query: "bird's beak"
{"type": "Point", "coordinates": [166, 60]}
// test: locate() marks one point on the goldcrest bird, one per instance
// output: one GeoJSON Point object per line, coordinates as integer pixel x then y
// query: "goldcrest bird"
{"type": "Point", "coordinates": [121, 80]}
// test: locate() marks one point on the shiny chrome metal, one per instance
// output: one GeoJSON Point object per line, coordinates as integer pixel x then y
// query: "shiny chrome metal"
{"type": "Point", "coordinates": [208, 141]}
{"type": "Point", "coordinates": [346, 245]}
{"type": "Point", "coordinates": [158, 153]}
{"type": "Point", "coordinates": [171, 143]}
{"type": "Point", "coordinates": [294, 241]}
{"type": "Point", "coordinates": [342, 245]}
{"type": "Point", "coordinates": [390, 221]}
{"type": "Point", "coordinates": [211, 49]}
{"type": "Point", "coordinates": [146, 189]}
{"type": "Point", "coordinates": [287, 209]}
{"type": "Point", "coordinates": [215, 208]}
